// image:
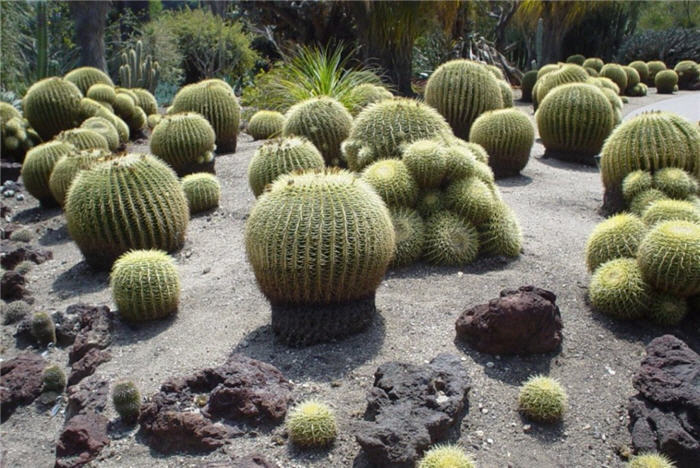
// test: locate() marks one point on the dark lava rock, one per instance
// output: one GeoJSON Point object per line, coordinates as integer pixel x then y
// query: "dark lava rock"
{"type": "Point", "coordinates": [4, 210]}
{"type": "Point", "coordinates": [90, 396]}
{"type": "Point", "coordinates": [8, 228]}
{"type": "Point", "coordinates": [95, 329]}
{"type": "Point", "coordinates": [522, 321]}
{"type": "Point", "coordinates": [13, 286]}
{"type": "Point", "coordinates": [411, 407]}
{"type": "Point", "coordinates": [20, 382]}
{"type": "Point", "coordinates": [240, 389]}
{"type": "Point", "coordinates": [253, 461]}
{"type": "Point", "coordinates": [14, 254]}
{"type": "Point", "coordinates": [82, 439]}
{"type": "Point", "coordinates": [87, 364]}
{"type": "Point", "coordinates": [665, 414]}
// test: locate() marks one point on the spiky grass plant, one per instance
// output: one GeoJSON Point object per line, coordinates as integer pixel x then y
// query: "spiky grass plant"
{"type": "Point", "coordinates": [542, 399]}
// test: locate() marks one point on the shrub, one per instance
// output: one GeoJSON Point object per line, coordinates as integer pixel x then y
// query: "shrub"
{"type": "Point", "coordinates": [185, 141]}
{"type": "Point", "coordinates": [669, 45]}
{"type": "Point", "coordinates": [666, 81]}
{"type": "Point", "coordinates": [14, 312]}
{"type": "Point", "coordinates": [616, 237]}
{"type": "Point", "coordinates": [202, 191]}
{"type": "Point", "coordinates": [542, 399]}
{"type": "Point", "coordinates": [507, 135]}
{"type": "Point", "coordinates": [311, 424]}
{"type": "Point", "coordinates": [264, 125]}
{"type": "Point", "coordinates": [617, 289]}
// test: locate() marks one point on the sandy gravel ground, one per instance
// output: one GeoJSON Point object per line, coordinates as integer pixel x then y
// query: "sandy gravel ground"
{"type": "Point", "coordinates": [222, 312]}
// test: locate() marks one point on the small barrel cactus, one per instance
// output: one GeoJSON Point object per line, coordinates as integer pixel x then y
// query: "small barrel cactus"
{"type": "Point", "coordinates": [566, 74]}
{"type": "Point", "coordinates": [688, 73]}
{"type": "Point", "coordinates": [461, 90]}
{"type": "Point", "coordinates": [104, 227]}
{"type": "Point", "coordinates": [202, 191]}
{"type": "Point", "coordinates": [145, 285]}
{"type": "Point", "coordinates": [425, 160]}
{"type": "Point", "coordinates": [83, 139]}
{"type": "Point", "coordinates": [574, 120]}
{"type": "Point", "coordinates": [446, 456]}
{"type": "Point", "coordinates": [508, 136]}
{"type": "Point", "coordinates": [37, 167]}
{"type": "Point", "coordinates": [617, 237]}
{"type": "Point", "coordinates": [526, 85]}
{"type": "Point", "coordinates": [383, 129]}
{"type": "Point", "coordinates": [638, 90]}
{"type": "Point", "coordinates": [42, 328]}
{"type": "Point", "coordinates": [617, 289]}
{"type": "Point", "coordinates": [633, 78]}
{"type": "Point", "coordinates": [105, 128]}
{"type": "Point", "coordinates": [324, 121]}
{"type": "Point", "coordinates": [592, 72]}
{"type": "Point", "coordinates": [616, 73]}
{"type": "Point", "coordinates": [594, 63]}
{"type": "Point", "coordinates": [186, 142]}
{"type": "Point", "coordinates": [506, 93]}
{"type": "Point", "coordinates": [500, 234]}
{"type": "Point", "coordinates": [578, 59]}
{"type": "Point", "coordinates": [86, 77]}
{"type": "Point", "coordinates": [146, 100]}
{"type": "Point", "coordinates": [311, 424]}
{"type": "Point", "coordinates": [450, 240]}
{"type": "Point", "coordinates": [542, 399]}
{"type": "Point", "coordinates": [127, 401]}
{"type": "Point", "coordinates": [409, 231]}
{"type": "Point", "coordinates": [430, 202]}
{"type": "Point", "coordinates": [393, 182]}
{"type": "Point", "coordinates": [53, 379]}
{"type": "Point", "coordinates": [365, 94]}
{"type": "Point", "coordinates": [669, 257]}
{"type": "Point", "coordinates": [52, 105]}
{"type": "Point", "coordinates": [675, 182]}
{"type": "Point", "coordinates": [281, 156]}
{"type": "Point", "coordinates": [670, 210]}
{"type": "Point", "coordinates": [549, 68]}
{"type": "Point", "coordinates": [265, 124]}
{"type": "Point", "coordinates": [218, 105]}
{"type": "Point", "coordinates": [655, 66]}
{"type": "Point", "coordinates": [666, 81]}
{"type": "Point", "coordinates": [642, 70]}
{"type": "Point", "coordinates": [667, 310]}
{"type": "Point", "coordinates": [119, 124]}
{"type": "Point", "coordinates": [125, 107]}
{"type": "Point", "coordinates": [101, 92]}
{"type": "Point", "coordinates": [68, 167]}
{"type": "Point", "coordinates": [471, 198]}
{"type": "Point", "coordinates": [645, 199]}
{"type": "Point", "coordinates": [650, 460]}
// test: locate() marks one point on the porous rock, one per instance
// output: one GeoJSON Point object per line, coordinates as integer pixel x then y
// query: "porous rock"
{"type": "Point", "coordinates": [20, 381]}
{"type": "Point", "coordinates": [82, 439]}
{"type": "Point", "coordinates": [87, 364]}
{"type": "Point", "coordinates": [13, 286]}
{"type": "Point", "coordinates": [13, 254]}
{"type": "Point", "coordinates": [90, 396]}
{"type": "Point", "coordinates": [95, 329]}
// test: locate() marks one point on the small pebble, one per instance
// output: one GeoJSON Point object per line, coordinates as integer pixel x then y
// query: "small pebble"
{"type": "Point", "coordinates": [9, 193]}
{"type": "Point", "coordinates": [19, 197]}
{"type": "Point", "coordinates": [490, 364]}
{"type": "Point", "coordinates": [526, 427]}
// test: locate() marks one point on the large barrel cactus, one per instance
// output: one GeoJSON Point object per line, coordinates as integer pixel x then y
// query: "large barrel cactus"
{"type": "Point", "coordinates": [218, 105]}
{"type": "Point", "coordinates": [52, 105]}
{"type": "Point", "coordinates": [281, 156]}
{"type": "Point", "coordinates": [131, 202]}
{"type": "Point", "coordinates": [68, 167]}
{"type": "Point", "coordinates": [38, 165]}
{"type": "Point", "coordinates": [85, 77]}
{"type": "Point", "coordinates": [461, 90]}
{"type": "Point", "coordinates": [265, 124]}
{"type": "Point", "coordinates": [319, 244]}
{"type": "Point", "coordinates": [574, 120]}
{"type": "Point", "coordinates": [507, 135]}
{"type": "Point", "coordinates": [186, 142]}
{"type": "Point", "coordinates": [566, 74]}
{"type": "Point", "coordinates": [324, 121]}
{"type": "Point", "coordinates": [383, 129]}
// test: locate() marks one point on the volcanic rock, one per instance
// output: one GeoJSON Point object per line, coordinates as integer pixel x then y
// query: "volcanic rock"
{"type": "Point", "coordinates": [20, 381]}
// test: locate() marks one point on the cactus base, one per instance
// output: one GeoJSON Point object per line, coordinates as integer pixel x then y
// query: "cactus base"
{"type": "Point", "coordinates": [195, 167]}
{"type": "Point", "coordinates": [310, 324]}
{"type": "Point", "coordinates": [572, 157]}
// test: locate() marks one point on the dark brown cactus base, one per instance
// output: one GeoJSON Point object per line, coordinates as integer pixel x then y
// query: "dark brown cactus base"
{"type": "Point", "coordinates": [48, 202]}
{"type": "Point", "coordinates": [194, 168]}
{"type": "Point", "coordinates": [224, 147]}
{"type": "Point", "coordinates": [502, 172]}
{"type": "Point", "coordinates": [101, 260]}
{"type": "Point", "coordinates": [578, 158]}
{"type": "Point", "coordinates": [307, 325]}
{"type": "Point", "coordinates": [613, 202]}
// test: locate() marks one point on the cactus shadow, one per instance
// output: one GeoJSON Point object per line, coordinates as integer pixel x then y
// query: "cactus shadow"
{"type": "Point", "coordinates": [80, 279]}
{"type": "Point", "coordinates": [548, 159]}
{"type": "Point", "coordinates": [518, 180]}
{"type": "Point", "coordinates": [321, 362]}
{"type": "Point", "coordinates": [55, 236]}
{"type": "Point", "coordinates": [36, 214]}
{"type": "Point", "coordinates": [130, 333]}
{"type": "Point", "coordinates": [547, 433]}
{"type": "Point", "coordinates": [479, 266]}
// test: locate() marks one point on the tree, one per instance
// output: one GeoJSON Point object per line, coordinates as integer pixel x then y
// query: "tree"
{"type": "Point", "coordinates": [90, 19]}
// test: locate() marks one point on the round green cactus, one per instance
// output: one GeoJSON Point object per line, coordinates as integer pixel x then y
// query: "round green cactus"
{"type": "Point", "coordinates": [101, 92]}
{"type": "Point", "coordinates": [102, 224]}
{"type": "Point", "coordinates": [574, 120]}
{"type": "Point", "coordinates": [393, 182]}
{"type": "Point", "coordinates": [364, 95]}
{"type": "Point", "coordinates": [119, 124]}
{"type": "Point", "coordinates": [617, 237]}
{"type": "Point", "coordinates": [311, 424]}
{"type": "Point", "coordinates": [688, 73]}
{"type": "Point", "coordinates": [667, 309]}
{"type": "Point", "coordinates": [638, 90]}
{"type": "Point", "coordinates": [218, 105]}
{"type": "Point", "coordinates": [549, 68]}
{"type": "Point", "coordinates": [319, 238]}
{"type": "Point", "coordinates": [655, 66]}
{"type": "Point", "coordinates": [145, 285]}
{"type": "Point", "coordinates": [633, 77]}
{"type": "Point", "coordinates": [594, 63]}
{"type": "Point", "coordinates": [383, 129]}
{"type": "Point", "coordinates": [281, 156]}
{"type": "Point", "coordinates": [669, 210]}
{"type": "Point", "coordinates": [85, 77]}
{"type": "Point", "coordinates": [650, 141]}
{"type": "Point", "coordinates": [508, 136]}
{"type": "Point", "coordinates": [409, 231]}
{"type": "Point", "coordinates": [526, 84]}
{"type": "Point", "coordinates": [265, 124]}
{"type": "Point", "coordinates": [643, 200]}
{"type": "Point", "coordinates": [566, 74]}
{"type": "Point", "coordinates": [105, 128]}
{"type": "Point", "coordinates": [186, 142]}
{"type": "Point", "coordinates": [542, 399]}
{"type": "Point", "coordinates": [669, 257]}
{"type": "Point", "coordinates": [450, 240]}
{"type": "Point", "coordinates": [146, 101]}
{"type": "Point", "coordinates": [425, 160]}
{"type": "Point", "coordinates": [125, 107]}
{"type": "Point", "coordinates": [461, 90]}
{"type": "Point", "coordinates": [617, 289]}
{"type": "Point", "coordinates": [52, 105]}
{"type": "Point", "coordinates": [578, 59]}
{"type": "Point", "coordinates": [127, 401]}
{"type": "Point", "coordinates": [476, 149]}
{"type": "Point", "coordinates": [642, 70]}
{"type": "Point", "coordinates": [37, 167]}
{"type": "Point", "coordinates": [471, 198]}
{"type": "Point", "coordinates": [324, 121]}
{"type": "Point", "coordinates": [495, 71]}
{"type": "Point", "coordinates": [675, 182]}
{"type": "Point", "coordinates": [42, 328]}
{"type": "Point", "coordinates": [460, 162]}
{"type": "Point", "coordinates": [506, 93]}
{"type": "Point", "coordinates": [446, 456]}
{"type": "Point", "coordinates": [430, 202]}
{"type": "Point", "coordinates": [607, 83]}
{"type": "Point", "coordinates": [202, 191]}
{"type": "Point", "coordinates": [666, 81]}
{"type": "Point", "coordinates": [650, 460]}
{"type": "Point", "coordinates": [616, 73]}
{"type": "Point", "coordinates": [500, 234]}
{"type": "Point", "coordinates": [53, 379]}
{"type": "Point", "coordinates": [15, 134]}
{"type": "Point", "coordinates": [68, 167]}
{"type": "Point", "coordinates": [635, 183]}
{"type": "Point", "coordinates": [83, 139]}
{"type": "Point", "coordinates": [592, 72]}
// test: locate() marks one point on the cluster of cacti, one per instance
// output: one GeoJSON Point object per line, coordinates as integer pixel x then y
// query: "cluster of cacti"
{"type": "Point", "coordinates": [319, 243]}
{"type": "Point", "coordinates": [83, 139]}
{"type": "Point", "coordinates": [68, 166]}
{"type": "Point", "coordinates": [202, 190]}
{"type": "Point", "coordinates": [127, 401]}
{"type": "Point", "coordinates": [654, 67]}
{"type": "Point", "coordinates": [105, 223]}
{"type": "Point", "coordinates": [38, 165]}
{"type": "Point", "coordinates": [574, 120]}
{"type": "Point", "coordinates": [616, 237]}
{"type": "Point", "coordinates": [42, 328]}
{"type": "Point", "coordinates": [215, 100]}
{"type": "Point", "coordinates": [461, 90]}
{"type": "Point", "coordinates": [146, 101]}
{"type": "Point", "coordinates": [526, 84]}
{"type": "Point", "coordinates": [85, 77]}
{"type": "Point", "coordinates": [16, 134]}
{"type": "Point", "coordinates": [145, 285]}
{"type": "Point", "coordinates": [666, 82]}
{"type": "Point", "coordinates": [126, 107]}
{"type": "Point", "coordinates": [324, 121]}
{"type": "Point", "coordinates": [105, 128]}
{"type": "Point", "coordinates": [688, 72]}
{"type": "Point", "coordinates": [633, 78]}
{"type": "Point", "coordinates": [383, 128]}
{"type": "Point", "coordinates": [53, 379]}
{"type": "Point", "coordinates": [446, 456]}
{"type": "Point", "coordinates": [266, 124]}
{"type": "Point", "coordinates": [642, 70]}
{"type": "Point", "coordinates": [542, 399]}
{"type": "Point", "coordinates": [186, 142]}
{"type": "Point", "coordinates": [52, 105]}
{"type": "Point", "coordinates": [311, 424]}
{"type": "Point", "coordinates": [507, 135]}
{"type": "Point", "coordinates": [364, 95]}
{"type": "Point", "coordinates": [640, 188]}
{"type": "Point", "coordinates": [638, 90]}
{"type": "Point", "coordinates": [137, 70]}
